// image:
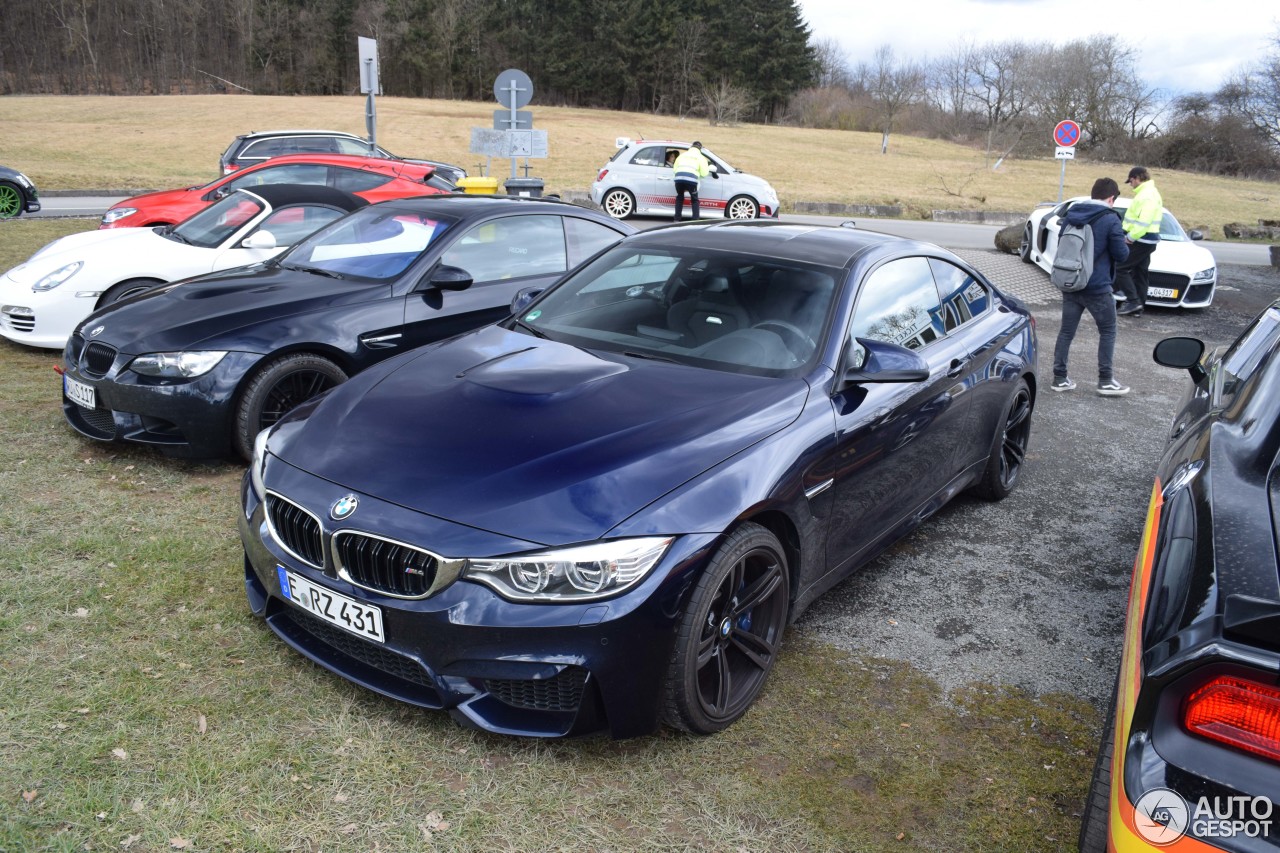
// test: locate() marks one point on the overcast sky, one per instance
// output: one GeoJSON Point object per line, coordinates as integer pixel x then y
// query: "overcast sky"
{"type": "Point", "coordinates": [1183, 47]}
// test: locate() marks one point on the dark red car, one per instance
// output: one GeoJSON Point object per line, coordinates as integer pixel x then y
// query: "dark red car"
{"type": "Point", "coordinates": [372, 178]}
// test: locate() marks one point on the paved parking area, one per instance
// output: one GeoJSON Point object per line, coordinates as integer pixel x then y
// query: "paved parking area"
{"type": "Point", "coordinates": [1031, 591]}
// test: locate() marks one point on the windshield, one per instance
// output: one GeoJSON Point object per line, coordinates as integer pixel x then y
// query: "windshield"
{"type": "Point", "coordinates": [212, 226]}
{"type": "Point", "coordinates": [724, 311]}
{"type": "Point", "coordinates": [1171, 230]}
{"type": "Point", "coordinates": [374, 243]}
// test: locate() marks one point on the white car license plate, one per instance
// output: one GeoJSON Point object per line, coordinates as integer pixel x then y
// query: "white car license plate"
{"type": "Point", "coordinates": [79, 392]}
{"type": "Point", "coordinates": [1162, 292]}
{"type": "Point", "coordinates": [361, 619]}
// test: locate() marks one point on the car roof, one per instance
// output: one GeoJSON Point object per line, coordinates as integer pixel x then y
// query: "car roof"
{"type": "Point", "coordinates": [827, 245]}
{"type": "Point", "coordinates": [279, 195]}
{"type": "Point", "coordinates": [357, 161]}
{"type": "Point", "coordinates": [260, 134]}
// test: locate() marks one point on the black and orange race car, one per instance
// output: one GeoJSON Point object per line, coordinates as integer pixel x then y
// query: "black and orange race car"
{"type": "Point", "coordinates": [1190, 758]}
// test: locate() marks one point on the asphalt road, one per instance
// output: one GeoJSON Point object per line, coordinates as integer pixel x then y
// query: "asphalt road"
{"type": "Point", "coordinates": [1030, 592]}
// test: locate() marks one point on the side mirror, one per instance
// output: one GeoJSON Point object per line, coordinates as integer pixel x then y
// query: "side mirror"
{"type": "Point", "coordinates": [523, 297]}
{"type": "Point", "coordinates": [878, 361]}
{"type": "Point", "coordinates": [446, 277]}
{"type": "Point", "coordinates": [260, 240]}
{"type": "Point", "coordinates": [1183, 353]}
{"type": "Point", "coordinates": [1195, 234]}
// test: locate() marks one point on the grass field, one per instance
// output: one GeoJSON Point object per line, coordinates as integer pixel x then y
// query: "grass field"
{"type": "Point", "coordinates": [143, 708]}
{"type": "Point", "coordinates": [165, 142]}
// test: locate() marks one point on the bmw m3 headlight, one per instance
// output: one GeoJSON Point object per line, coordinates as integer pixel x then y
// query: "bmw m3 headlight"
{"type": "Point", "coordinates": [258, 462]}
{"type": "Point", "coordinates": [177, 365]}
{"type": "Point", "coordinates": [117, 213]}
{"type": "Point", "coordinates": [1205, 275]}
{"type": "Point", "coordinates": [572, 574]}
{"type": "Point", "coordinates": [57, 277]}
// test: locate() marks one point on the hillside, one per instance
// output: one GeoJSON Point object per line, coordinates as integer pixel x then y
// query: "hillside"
{"type": "Point", "coordinates": [163, 142]}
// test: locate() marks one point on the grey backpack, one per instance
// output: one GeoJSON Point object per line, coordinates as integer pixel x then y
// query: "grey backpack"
{"type": "Point", "coordinates": [1073, 262]}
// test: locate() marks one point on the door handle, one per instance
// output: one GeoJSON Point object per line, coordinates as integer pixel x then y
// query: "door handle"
{"type": "Point", "coordinates": [957, 367]}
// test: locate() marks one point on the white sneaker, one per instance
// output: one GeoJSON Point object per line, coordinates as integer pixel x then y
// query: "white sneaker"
{"type": "Point", "coordinates": [1112, 388]}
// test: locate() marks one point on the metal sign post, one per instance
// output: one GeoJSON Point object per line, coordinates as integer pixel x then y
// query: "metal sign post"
{"type": "Point", "coordinates": [1066, 134]}
{"type": "Point", "coordinates": [514, 89]}
{"type": "Point", "coordinates": [369, 85]}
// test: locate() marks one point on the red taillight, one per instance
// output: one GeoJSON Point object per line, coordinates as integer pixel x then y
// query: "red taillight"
{"type": "Point", "coordinates": [229, 168]}
{"type": "Point", "coordinates": [1238, 713]}
{"type": "Point", "coordinates": [600, 177]}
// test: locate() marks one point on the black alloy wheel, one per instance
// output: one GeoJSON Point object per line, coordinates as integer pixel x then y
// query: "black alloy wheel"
{"type": "Point", "coordinates": [1009, 450]}
{"type": "Point", "coordinates": [276, 389]}
{"type": "Point", "coordinates": [730, 634]}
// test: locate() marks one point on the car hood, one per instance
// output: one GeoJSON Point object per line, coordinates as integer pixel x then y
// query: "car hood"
{"type": "Point", "coordinates": [161, 196]}
{"type": "Point", "coordinates": [217, 311]}
{"type": "Point", "coordinates": [118, 252]}
{"type": "Point", "coordinates": [1181, 258]}
{"type": "Point", "coordinates": [530, 438]}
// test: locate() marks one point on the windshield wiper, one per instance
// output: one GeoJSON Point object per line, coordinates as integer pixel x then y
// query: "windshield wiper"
{"type": "Point", "coordinates": [316, 270]}
{"type": "Point", "coordinates": [650, 356]}
{"type": "Point", "coordinates": [537, 333]}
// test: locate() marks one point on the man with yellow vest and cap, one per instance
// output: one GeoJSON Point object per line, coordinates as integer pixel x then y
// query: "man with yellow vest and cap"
{"type": "Point", "coordinates": [1142, 233]}
{"type": "Point", "coordinates": [690, 167]}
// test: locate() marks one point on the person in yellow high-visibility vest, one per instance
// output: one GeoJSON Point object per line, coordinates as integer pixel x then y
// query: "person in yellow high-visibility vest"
{"type": "Point", "coordinates": [691, 166]}
{"type": "Point", "coordinates": [1142, 231]}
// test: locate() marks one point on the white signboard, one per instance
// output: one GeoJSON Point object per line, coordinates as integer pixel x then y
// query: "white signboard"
{"type": "Point", "coordinates": [509, 143]}
{"type": "Point", "coordinates": [1065, 153]}
{"type": "Point", "coordinates": [369, 82]}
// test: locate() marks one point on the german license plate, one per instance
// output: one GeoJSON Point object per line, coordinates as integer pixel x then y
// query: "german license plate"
{"type": "Point", "coordinates": [1162, 292]}
{"type": "Point", "coordinates": [79, 392]}
{"type": "Point", "coordinates": [364, 620]}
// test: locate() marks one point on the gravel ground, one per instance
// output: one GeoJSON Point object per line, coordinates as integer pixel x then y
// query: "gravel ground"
{"type": "Point", "coordinates": [1030, 592]}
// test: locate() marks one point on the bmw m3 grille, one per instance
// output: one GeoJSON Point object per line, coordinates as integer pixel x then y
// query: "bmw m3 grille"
{"type": "Point", "coordinates": [296, 529]}
{"type": "Point", "coordinates": [562, 693]}
{"type": "Point", "coordinates": [98, 359]}
{"type": "Point", "coordinates": [383, 565]}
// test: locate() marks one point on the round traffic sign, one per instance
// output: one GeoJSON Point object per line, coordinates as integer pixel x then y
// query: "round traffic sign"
{"type": "Point", "coordinates": [1067, 133]}
{"type": "Point", "coordinates": [513, 83]}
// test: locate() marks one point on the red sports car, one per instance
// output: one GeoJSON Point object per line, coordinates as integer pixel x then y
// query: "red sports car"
{"type": "Point", "coordinates": [372, 178]}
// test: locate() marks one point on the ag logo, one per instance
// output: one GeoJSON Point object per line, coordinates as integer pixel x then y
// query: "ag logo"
{"type": "Point", "coordinates": [1161, 816]}
{"type": "Point", "coordinates": [343, 507]}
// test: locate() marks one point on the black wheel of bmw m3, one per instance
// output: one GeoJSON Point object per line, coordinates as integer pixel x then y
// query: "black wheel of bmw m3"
{"type": "Point", "coordinates": [278, 387]}
{"type": "Point", "coordinates": [1009, 449]}
{"type": "Point", "coordinates": [730, 634]}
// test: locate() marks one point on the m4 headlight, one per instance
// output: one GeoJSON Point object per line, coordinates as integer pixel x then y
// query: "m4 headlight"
{"type": "Point", "coordinates": [258, 463]}
{"type": "Point", "coordinates": [1205, 275]}
{"type": "Point", "coordinates": [177, 365]}
{"type": "Point", "coordinates": [580, 573]}
{"type": "Point", "coordinates": [57, 277]}
{"type": "Point", "coordinates": [117, 213]}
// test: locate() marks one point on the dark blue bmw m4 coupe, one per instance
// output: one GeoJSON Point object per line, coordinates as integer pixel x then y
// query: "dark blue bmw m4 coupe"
{"type": "Point", "coordinates": [603, 512]}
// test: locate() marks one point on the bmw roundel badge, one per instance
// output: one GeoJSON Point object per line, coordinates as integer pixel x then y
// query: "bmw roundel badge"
{"type": "Point", "coordinates": [97, 331]}
{"type": "Point", "coordinates": [343, 507]}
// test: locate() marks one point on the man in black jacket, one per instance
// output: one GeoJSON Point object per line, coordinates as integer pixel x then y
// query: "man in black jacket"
{"type": "Point", "coordinates": [1109, 249]}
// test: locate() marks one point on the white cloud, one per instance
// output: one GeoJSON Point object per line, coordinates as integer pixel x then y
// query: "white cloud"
{"type": "Point", "coordinates": [1181, 47]}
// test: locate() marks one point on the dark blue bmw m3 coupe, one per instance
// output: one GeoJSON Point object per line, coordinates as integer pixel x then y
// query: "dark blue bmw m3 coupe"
{"type": "Point", "coordinates": [603, 512]}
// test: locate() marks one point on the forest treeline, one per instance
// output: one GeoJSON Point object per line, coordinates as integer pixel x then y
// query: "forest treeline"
{"type": "Point", "coordinates": [727, 60]}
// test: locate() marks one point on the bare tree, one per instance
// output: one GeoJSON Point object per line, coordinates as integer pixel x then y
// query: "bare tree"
{"type": "Point", "coordinates": [893, 86]}
{"type": "Point", "coordinates": [996, 81]}
{"type": "Point", "coordinates": [833, 66]}
{"type": "Point", "coordinates": [688, 47]}
{"type": "Point", "coordinates": [726, 103]}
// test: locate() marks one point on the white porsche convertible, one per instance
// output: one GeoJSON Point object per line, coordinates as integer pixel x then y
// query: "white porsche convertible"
{"type": "Point", "coordinates": [42, 300]}
{"type": "Point", "coordinates": [1183, 275]}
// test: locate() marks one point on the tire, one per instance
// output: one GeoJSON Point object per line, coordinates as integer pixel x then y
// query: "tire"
{"type": "Point", "coordinates": [277, 387]}
{"type": "Point", "coordinates": [1095, 820]}
{"type": "Point", "coordinates": [10, 200]}
{"type": "Point", "coordinates": [1024, 250]}
{"type": "Point", "coordinates": [125, 289]}
{"type": "Point", "coordinates": [619, 203]}
{"type": "Point", "coordinates": [1009, 447]}
{"type": "Point", "coordinates": [741, 207]}
{"type": "Point", "coordinates": [730, 633]}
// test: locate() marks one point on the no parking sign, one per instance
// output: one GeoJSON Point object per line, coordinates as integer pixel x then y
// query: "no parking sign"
{"type": "Point", "coordinates": [1065, 135]}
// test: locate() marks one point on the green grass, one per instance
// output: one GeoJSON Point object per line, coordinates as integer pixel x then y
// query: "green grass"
{"type": "Point", "coordinates": [145, 708]}
{"type": "Point", "coordinates": [165, 142]}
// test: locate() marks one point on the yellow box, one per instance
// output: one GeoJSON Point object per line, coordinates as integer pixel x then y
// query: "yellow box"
{"type": "Point", "coordinates": [478, 186]}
